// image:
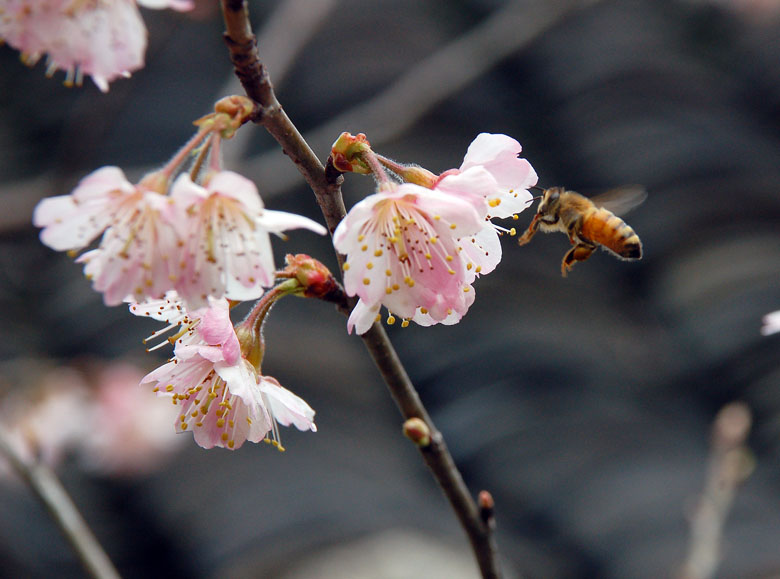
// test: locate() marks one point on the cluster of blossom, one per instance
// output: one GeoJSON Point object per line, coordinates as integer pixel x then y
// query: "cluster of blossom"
{"type": "Point", "coordinates": [183, 249]}
{"type": "Point", "coordinates": [103, 39]}
{"type": "Point", "coordinates": [178, 249]}
{"type": "Point", "coordinates": [97, 414]}
{"type": "Point", "coordinates": [416, 246]}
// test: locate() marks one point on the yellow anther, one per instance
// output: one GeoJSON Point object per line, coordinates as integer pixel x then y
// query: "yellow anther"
{"type": "Point", "coordinates": [437, 217]}
{"type": "Point", "coordinates": [405, 324]}
{"type": "Point", "coordinates": [433, 239]}
{"type": "Point", "coordinates": [479, 269]}
{"type": "Point", "coordinates": [364, 248]}
{"type": "Point", "coordinates": [423, 310]}
{"type": "Point", "coordinates": [231, 443]}
{"type": "Point", "coordinates": [345, 267]}
{"type": "Point", "coordinates": [494, 202]}
{"type": "Point", "coordinates": [366, 281]}
{"type": "Point", "coordinates": [361, 237]}
{"type": "Point", "coordinates": [169, 388]}
{"type": "Point", "coordinates": [390, 319]}
{"type": "Point", "coordinates": [396, 287]}
{"type": "Point", "coordinates": [378, 253]}
{"type": "Point", "coordinates": [388, 273]}
{"type": "Point", "coordinates": [512, 231]}
{"type": "Point", "coordinates": [369, 265]}
{"type": "Point", "coordinates": [388, 290]}
{"type": "Point", "coordinates": [448, 258]}
{"type": "Point", "coordinates": [515, 217]}
{"type": "Point", "coordinates": [428, 256]}
{"type": "Point", "coordinates": [453, 226]}
{"type": "Point", "coordinates": [469, 266]}
{"type": "Point", "coordinates": [451, 271]}
{"type": "Point", "coordinates": [467, 289]}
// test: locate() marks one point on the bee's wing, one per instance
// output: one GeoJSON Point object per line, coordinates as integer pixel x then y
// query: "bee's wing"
{"type": "Point", "coordinates": [621, 200]}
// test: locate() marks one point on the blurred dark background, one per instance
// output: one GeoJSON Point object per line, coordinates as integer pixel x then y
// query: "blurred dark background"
{"type": "Point", "coordinates": [583, 404]}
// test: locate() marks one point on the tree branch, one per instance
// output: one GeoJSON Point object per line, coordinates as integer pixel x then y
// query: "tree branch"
{"type": "Point", "coordinates": [50, 492]}
{"type": "Point", "coordinates": [326, 185]}
{"type": "Point", "coordinates": [730, 464]}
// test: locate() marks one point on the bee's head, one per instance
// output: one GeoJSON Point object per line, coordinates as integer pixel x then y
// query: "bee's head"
{"type": "Point", "coordinates": [550, 200]}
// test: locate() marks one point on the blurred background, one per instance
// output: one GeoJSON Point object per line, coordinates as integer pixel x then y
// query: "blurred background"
{"type": "Point", "coordinates": [584, 405]}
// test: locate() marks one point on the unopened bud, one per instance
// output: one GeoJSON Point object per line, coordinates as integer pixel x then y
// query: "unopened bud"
{"type": "Point", "coordinates": [314, 277]}
{"type": "Point", "coordinates": [229, 114]}
{"type": "Point", "coordinates": [418, 176]}
{"type": "Point", "coordinates": [345, 153]}
{"type": "Point", "coordinates": [486, 506]}
{"type": "Point", "coordinates": [416, 430]}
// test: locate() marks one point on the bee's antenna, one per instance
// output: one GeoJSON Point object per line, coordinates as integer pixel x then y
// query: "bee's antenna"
{"type": "Point", "coordinates": [537, 188]}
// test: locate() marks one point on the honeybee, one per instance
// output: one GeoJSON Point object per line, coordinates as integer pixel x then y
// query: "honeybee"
{"type": "Point", "coordinates": [589, 223]}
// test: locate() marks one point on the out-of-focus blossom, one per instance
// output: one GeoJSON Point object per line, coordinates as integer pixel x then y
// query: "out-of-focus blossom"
{"type": "Point", "coordinates": [99, 414]}
{"type": "Point", "coordinates": [46, 421]}
{"type": "Point", "coordinates": [130, 430]}
{"type": "Point", "coordinates": [404, 251]}
{"type": "Point", "coordinates": [104, 39]}
{"type": "Point", "coordinates": [226, 246]}
{"type": "Point", "coordinates": [223, 399]}
{"type": "Point", "coordinates": [771, 323]}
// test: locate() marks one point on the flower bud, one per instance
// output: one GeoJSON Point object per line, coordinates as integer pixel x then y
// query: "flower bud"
{"type": "Point", "coordinates": [416, 430]}
{"type": "Point", "coordinates": [229, 114]}
{"type": "Point", "coordinates": [345, 153]}
{"type": "Point", "coordinates": [316, 279]}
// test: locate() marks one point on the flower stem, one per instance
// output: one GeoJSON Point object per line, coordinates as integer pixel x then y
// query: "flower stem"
{"type": "Point", "coordinates": [326, 185]}
{"type": "Point", "coordinates": [48, 489]}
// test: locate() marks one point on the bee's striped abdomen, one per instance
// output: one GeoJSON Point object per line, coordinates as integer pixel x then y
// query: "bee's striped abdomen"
{"type": "Point", "coordinates": [609, 230]}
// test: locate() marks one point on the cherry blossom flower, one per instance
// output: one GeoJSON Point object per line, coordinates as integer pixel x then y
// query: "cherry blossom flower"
{"type": "Point", "coordinates": [404, 252]}
{"type": "Point", "coordinates": [224, 400]}
{"type": "Point", "coordinates": [226, 246]}
{"type": "Point", "coordinates": [133, 258]}
{"type": "Point", "coordinates": [498, 155]}
{"type": "Point", "coordinates": [105, 39]}
{"type": "Point", "coordinates": [505, 189]}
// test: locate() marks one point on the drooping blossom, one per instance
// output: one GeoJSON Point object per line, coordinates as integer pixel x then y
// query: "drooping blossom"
{"type": "Point", "coordinates": [771, 323]}
{"type": "Point", "coordinates": [133, 260]}
{"type": "Point", "coordinates": [224, 400]}
{"type": "Point", "coordinates": [226, 246]}
{"type": "Point", "coordinates": [404, 252]}
{"type": "Point", "coordinates": [104, 39]}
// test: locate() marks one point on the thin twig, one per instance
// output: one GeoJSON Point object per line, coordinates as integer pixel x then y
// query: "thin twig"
{"type": "Point", "coordinates": [327, 190]}
{"type": "Point", "coordinates": [730, 464]}
{"type": "Point", "coordinates": [48, 489]}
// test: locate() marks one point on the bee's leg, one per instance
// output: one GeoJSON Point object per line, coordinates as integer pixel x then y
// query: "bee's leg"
{"type": "Point", "coordinates": [529, 233]}
{"type": "Point", "coordinates": [579, 252]}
